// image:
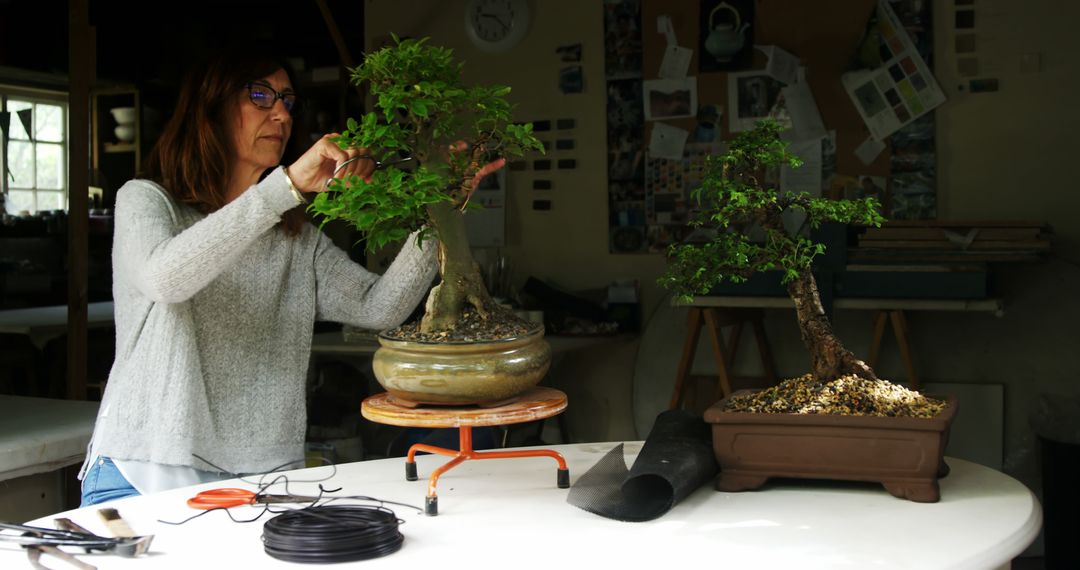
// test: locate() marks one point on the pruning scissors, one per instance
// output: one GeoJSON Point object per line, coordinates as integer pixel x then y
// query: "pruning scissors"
{"type": "Point", "coordinates": [379, 165]}
{"type": "Point", "coordinates": [233, 497]}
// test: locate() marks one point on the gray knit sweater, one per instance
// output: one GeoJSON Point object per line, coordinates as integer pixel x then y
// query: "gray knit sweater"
{"type": "Point", "coordinates": [214, 318]}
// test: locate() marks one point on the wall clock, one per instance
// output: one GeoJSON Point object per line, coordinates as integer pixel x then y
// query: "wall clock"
{"type": "Point", "coordinates": [496, 25]}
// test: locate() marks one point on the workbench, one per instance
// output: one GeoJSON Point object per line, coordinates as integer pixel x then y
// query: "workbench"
{"type": "Point", "coordinates": [38, 435]}
{"type": "Point", "coordinates": [40, 324]}
{"type": "Point", "coordinates": [501, 513]}
{"type": "Point", "coordinates": [41, 440]}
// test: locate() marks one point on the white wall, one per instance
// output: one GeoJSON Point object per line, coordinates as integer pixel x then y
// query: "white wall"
{"type": "Point", "coordinates": [1004, 155]}
{"type": "Point", "coordinates": [1010, 155]}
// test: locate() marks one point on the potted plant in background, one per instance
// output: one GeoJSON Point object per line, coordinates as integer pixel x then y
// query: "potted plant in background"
{"type": "Point", "coordinates": [467, 348]}
{"type": "Point", "coordinates": [840, 421]}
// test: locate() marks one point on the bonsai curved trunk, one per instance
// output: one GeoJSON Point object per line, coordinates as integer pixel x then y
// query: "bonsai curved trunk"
{"type": "Point", "coordinates": [829, 359]}
{"type": "Point", "coordinates": [461, 286]}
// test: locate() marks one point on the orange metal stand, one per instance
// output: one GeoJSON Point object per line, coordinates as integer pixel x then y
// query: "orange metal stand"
{"type": "Point", "coordinates": [536, 404]}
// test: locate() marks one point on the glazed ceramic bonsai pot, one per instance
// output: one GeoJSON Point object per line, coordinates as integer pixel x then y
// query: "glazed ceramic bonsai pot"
{"type": "Point", "coordinates": [461, 373]}
{"type": "Point", "coordinates": [903, 454]}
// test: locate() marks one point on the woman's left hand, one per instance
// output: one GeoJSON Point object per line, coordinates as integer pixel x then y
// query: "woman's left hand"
{"type": "Point", "coordinates": [485, 170]}
{"type": "Point", "coordinates": [315, 167]}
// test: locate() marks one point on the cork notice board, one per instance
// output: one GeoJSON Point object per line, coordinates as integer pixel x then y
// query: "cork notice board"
{"type": "Point", "coordinates": [662, 129]}
{"type": "Point", "coordinates": [823, 34]}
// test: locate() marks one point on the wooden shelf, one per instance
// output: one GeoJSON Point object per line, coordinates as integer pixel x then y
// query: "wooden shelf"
{"type": "Point", "coordinates": [114, 161]}
{"type": "Point", "coordinates": [120, 147]}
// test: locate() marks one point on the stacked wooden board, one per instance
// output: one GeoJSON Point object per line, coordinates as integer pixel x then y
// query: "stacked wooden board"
{"type": "Point", "coordinates": [944, 241]}
{"type": "Point", "coordinates": [926, 259]}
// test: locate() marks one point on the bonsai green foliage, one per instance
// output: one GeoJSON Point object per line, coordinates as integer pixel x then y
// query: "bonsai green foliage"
{"type": "Point", "coordinates": [733, 199]}
{"type": "Point", "coordinates": [423, 109]}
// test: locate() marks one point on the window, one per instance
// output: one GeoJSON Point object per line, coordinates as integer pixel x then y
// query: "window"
{"type": "Point", "coordinates": [33, 162]}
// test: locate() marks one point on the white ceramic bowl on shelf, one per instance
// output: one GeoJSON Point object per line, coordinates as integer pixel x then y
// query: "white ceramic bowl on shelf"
{"type": "Point", "coordinates": [123, 115]}
{"type": "Point", "coordinates": [125, 133]}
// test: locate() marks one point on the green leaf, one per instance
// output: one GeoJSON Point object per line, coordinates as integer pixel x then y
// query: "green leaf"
{"type": "Point", "coordinates": [421, 106]}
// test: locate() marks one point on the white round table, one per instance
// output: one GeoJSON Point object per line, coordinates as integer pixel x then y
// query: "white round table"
{"type": "Point", "coordinates": [510, 514]}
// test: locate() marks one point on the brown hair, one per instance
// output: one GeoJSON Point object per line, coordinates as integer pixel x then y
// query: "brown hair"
{"type": "Point", "coordinates": [191, 157]}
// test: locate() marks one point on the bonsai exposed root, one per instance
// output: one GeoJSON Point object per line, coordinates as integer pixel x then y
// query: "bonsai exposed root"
{"type": "Point", "coordinates": [449, 301]}
{"type": "Point", "coordinates": [480, 306]}
{"type": "Point", "coordinates": [834, 361]}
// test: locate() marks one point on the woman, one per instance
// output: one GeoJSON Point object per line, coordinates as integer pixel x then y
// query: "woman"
{"type": "Point", "coordinates": [217, 281]}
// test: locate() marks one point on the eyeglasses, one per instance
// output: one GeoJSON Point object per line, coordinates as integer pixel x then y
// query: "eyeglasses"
{"type": "Point", "coordinates": [264, 96]}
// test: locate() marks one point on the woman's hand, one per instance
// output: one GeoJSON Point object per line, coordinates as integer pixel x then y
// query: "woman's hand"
{"type": "Point", "coordinates": [312, 171]}
{"type": "Point", "coordinates": [488, 168]}
{"type": "Point", "coordinates": [485, 170]}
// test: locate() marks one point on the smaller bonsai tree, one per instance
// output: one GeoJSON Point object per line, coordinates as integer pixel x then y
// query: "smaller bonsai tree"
{"type": "Point", "coordinates": [424, 111]}
{"type": "Point", "coordinates": [733, 198]}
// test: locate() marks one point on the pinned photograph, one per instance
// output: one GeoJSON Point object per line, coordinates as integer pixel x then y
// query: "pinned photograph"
{"type": "Point", "coordinates": [843, 186]}
{"type": "Point", "coordinates": [571, 80]}
{"type": "Point", "coordinates": [870, 187]}
{"type": "Point", "coordinates": [913, 197]}
{"type": "Point", "coordinates": [670, 98]}
{"type": "Point", "coordinates": [627, 239]}
{"type": "Point", "coordinates": [627, 191]}
{"type": "Point", "coordinates": [753, 96]}
{"type": "Point", "coordinates": [570, 53]}
{"type": "Point", "coordinates": [667, 141]}
{"type": "Point", "coordinates": [622, 39]}
{"type": "Point", "coordinates": [913, 147]}
{"type": "Point", "coordinates": [625, 124]}
{"type": "Point", "coordinates": [625, 153]}
{"type": "Point", "coordinates": [707, 129]}
{"type": "Point", "coordinates": [828, 157]}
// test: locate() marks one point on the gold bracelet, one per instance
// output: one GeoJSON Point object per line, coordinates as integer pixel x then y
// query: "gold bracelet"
{"type": "Point", "coordinates": [292, 187]}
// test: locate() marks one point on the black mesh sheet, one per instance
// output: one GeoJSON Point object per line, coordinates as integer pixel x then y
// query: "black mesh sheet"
{"type": "Point", "coordinates": [676, 459]}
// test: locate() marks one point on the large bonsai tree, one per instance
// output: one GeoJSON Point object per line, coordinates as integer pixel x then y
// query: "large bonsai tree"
{"type": "Point", "coordinates": [734, 198]}
{"type": "Point", "coordinates": [424, 111]}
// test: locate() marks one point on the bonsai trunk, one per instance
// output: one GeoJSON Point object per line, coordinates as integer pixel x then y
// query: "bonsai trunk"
{"type": "Point", "coordinates": [829, 359]}
{"type": "Point", "coordinates": [461, 286]}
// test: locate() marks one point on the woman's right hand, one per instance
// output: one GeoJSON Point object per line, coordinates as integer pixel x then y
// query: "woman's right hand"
{"type": "Point", "coordinates": [315, 167]}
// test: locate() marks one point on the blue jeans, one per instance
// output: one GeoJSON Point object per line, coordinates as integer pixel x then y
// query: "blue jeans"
{"type": "Point", "coordinates": [103, 482]}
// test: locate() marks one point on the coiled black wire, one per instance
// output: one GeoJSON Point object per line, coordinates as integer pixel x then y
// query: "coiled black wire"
{"type": "Point", "coordinates": [332, 533]}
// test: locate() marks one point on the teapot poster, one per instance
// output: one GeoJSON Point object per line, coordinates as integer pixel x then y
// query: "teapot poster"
{"type": "Point", "coordinates": [725, 35]}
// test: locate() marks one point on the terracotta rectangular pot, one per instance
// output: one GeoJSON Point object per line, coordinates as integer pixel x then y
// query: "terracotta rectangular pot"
{"type": "Point", "coordinates": [903, 454]}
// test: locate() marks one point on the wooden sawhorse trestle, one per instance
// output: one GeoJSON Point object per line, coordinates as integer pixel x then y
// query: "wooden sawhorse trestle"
{"type": "Point", "coordinates": [715, 318]}
{"type": "Point", "coordinates": [900, 329]}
